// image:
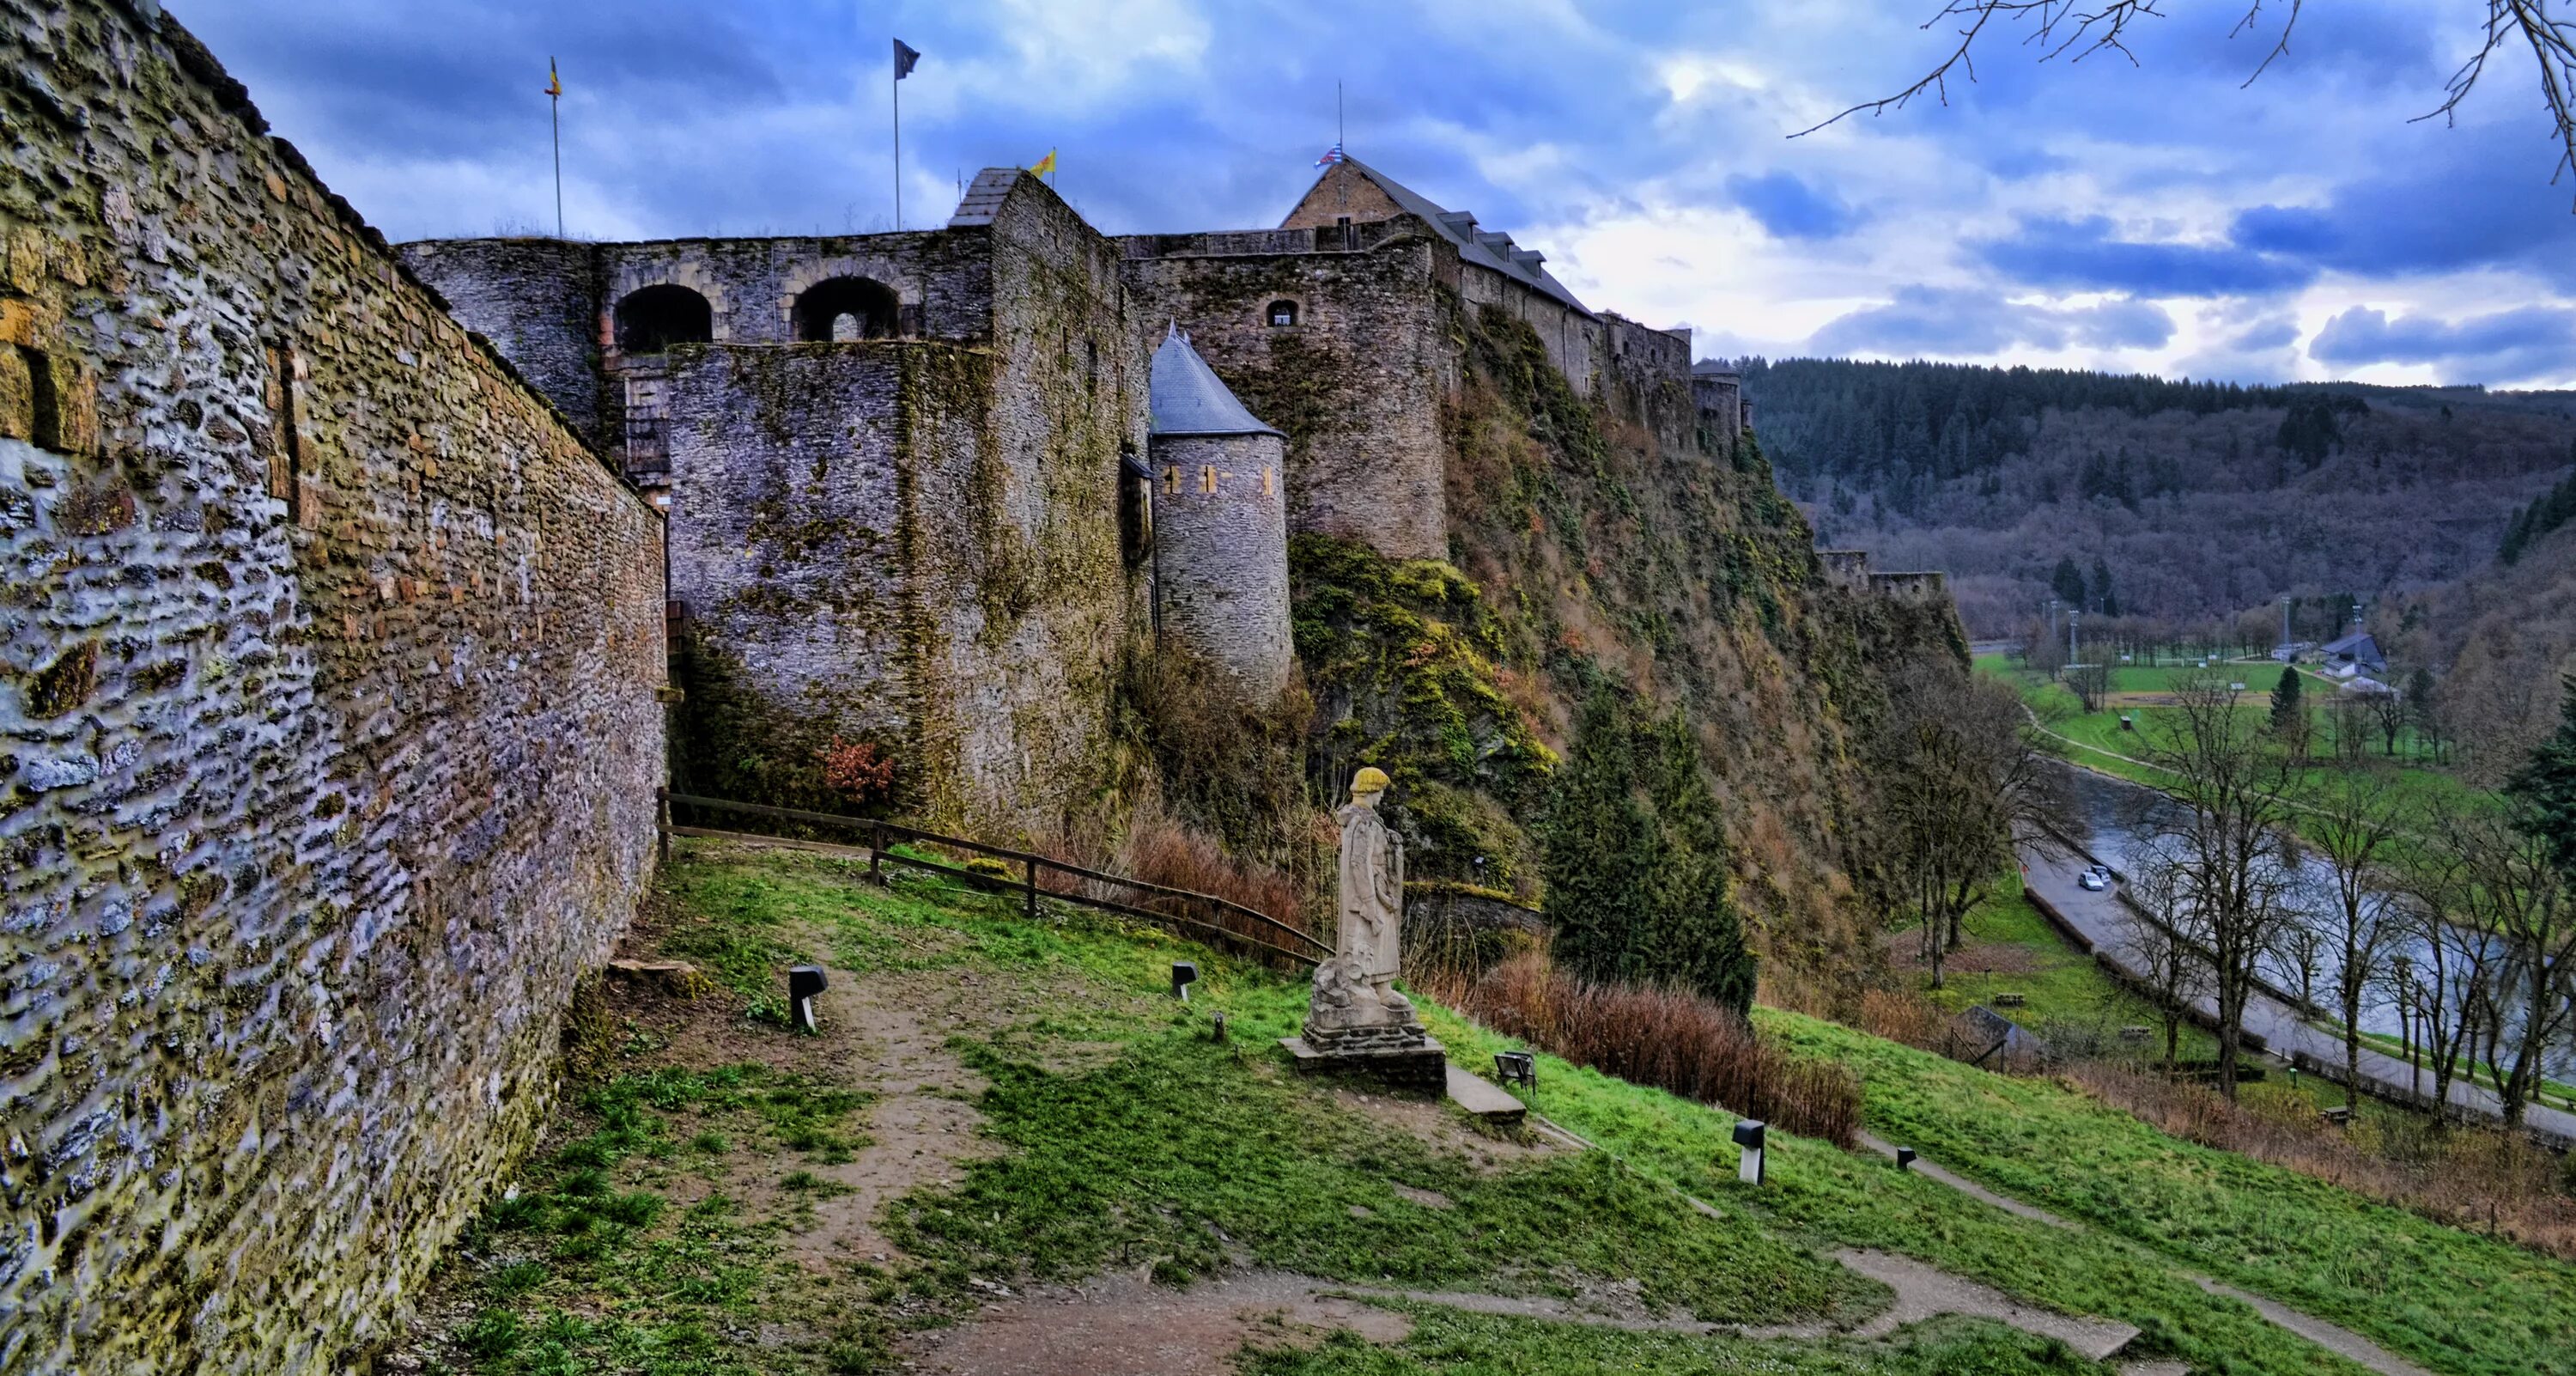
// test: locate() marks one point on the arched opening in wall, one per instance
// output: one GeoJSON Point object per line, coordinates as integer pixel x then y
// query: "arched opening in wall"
{"type": "Point", "coordinates": [1282, 314]}
{"type": "Point", "coordinates": [846, 308]}
{"type": "Point", "coordinates": [652, 319]}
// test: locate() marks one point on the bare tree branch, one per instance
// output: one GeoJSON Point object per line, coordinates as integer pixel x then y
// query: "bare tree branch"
{"type": "Point", "coordinates": [2553, 46]}
{"type": "Point", "coordinates": [2077, 29]}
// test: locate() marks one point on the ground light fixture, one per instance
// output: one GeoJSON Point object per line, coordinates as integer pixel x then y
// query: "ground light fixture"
{"type": "Point", "coordinates": [803, 983]}
{"type": "Point", "coordinates": [1220, 1025]}
{"type": "Point", "coordinates": [1905, 1158]}
{"type": "Point", "coordinates": [1517, 1067]}
{"type": "Point", "coordinates": [1184, 974]}
{"type": "Point", "coordinates": [1748, 1162]}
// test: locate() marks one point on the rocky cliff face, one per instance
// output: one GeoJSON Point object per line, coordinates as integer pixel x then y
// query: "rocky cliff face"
{"type": "Point", "coordinates": [1615, 544]}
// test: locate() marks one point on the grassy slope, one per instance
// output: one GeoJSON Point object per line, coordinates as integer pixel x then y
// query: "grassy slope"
{"type": "Point", "coordinates": [1157, 1146]}
{"type": "Point", "coordinates": [2450, 1299]}
{"type": "Point", "coordinates": [642, 1241]}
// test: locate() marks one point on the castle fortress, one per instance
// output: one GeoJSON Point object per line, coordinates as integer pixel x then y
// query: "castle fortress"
{"type": "Point", "coordinates": [923, 486]}
{"type": "Point", "coordinates": [335, 678]}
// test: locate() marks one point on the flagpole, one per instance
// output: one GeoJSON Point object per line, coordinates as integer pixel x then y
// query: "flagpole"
{"type": "Point", "coordinates": [898, 145]}
{"type": "Point", "coordinates": [554, 100]}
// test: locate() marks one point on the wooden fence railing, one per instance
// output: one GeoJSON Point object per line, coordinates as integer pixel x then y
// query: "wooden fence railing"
{"type": "Point", "coordinates": [1198, 914]}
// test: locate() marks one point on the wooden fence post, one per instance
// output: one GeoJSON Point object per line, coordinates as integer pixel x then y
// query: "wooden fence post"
{"type": "Point", "coordinates": [876, 852]}
{"type": "Point", "coordinates": [662, 804]}
{"type": "Point", "coordinates": [1033, 888]}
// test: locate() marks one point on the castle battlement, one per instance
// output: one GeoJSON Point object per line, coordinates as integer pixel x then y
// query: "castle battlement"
{"type": "Point", "coordinates": [922, 490]}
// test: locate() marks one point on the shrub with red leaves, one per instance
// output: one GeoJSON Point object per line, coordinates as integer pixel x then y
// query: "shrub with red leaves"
{"type": "Point", "coordinates": [858, 771]}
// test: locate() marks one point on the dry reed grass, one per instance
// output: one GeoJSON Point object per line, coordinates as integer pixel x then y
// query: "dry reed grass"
{"type": "Point", "coordinates": [1159, 850]}
{"type": "Point", "coordinates": [1666, 1039]}
{"type": "Point", "coordinates": [2474, 1178]}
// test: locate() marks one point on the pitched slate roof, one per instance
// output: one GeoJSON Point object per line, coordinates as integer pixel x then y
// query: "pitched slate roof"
{"type": "Point", "coordinates": [984, 197]}
{"type": "Point", "coordinates": [1484, 249]}
{"type": "Point", "coordinates": [1188, 398]}
{"type": "Point", "coordinates": [2358, 646]}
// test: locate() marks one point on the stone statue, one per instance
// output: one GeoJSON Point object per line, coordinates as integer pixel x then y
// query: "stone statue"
{"type": "Point", "coordinates": [1355, 1006]}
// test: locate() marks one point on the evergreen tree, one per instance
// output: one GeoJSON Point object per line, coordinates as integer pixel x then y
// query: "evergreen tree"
{"type": "Point", "coordinates": [1598, 852]}
{"type": "Point", "coordinates": [2517, 533]}
{"type": "Point", "coordinates": [1699, 938]}
{"type": "Point", "coordinates": [2068, 581]}
{"type": "Point", "coordinates": [2104, 600]}
{"type": "Point", "coordinates": [2308, 430]}
{"type": "Point", "coordinates": [2546, 786]}
{"type": "Point", "coordinates": [1639, 886]}
{"type": "Point", "coordinates": [2289, 714]}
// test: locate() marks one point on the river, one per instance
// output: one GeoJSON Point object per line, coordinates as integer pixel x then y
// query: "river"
{"type": "Point", "coordinates": [2113, 810]}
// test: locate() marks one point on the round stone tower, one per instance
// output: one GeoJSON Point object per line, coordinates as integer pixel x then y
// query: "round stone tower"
{"type": "Point", "coordinates": [1220, 523]}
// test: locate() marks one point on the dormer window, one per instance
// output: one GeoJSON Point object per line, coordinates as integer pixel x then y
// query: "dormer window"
{"type": "Point", "coordinates": [1283, 314]}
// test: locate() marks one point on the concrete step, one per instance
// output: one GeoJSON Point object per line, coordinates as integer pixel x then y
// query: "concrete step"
{"type": "Point", "coordinates": [1484, 1099]}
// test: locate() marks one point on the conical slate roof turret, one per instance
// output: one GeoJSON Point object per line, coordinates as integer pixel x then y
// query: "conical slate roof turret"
{"type": "Point", "coordinates": [1188, 398]}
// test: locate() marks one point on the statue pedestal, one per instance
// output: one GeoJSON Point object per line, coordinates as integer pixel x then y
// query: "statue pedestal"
{"type": "Point", "coordinates": [1398, 1057]}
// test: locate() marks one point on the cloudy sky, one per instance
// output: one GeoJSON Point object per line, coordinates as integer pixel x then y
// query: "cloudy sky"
{"type": "Point", "coordinates": [2150, 217]}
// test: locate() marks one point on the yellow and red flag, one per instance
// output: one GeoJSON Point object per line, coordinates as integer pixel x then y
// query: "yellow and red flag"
{"type": "Point", "coordinates": [1045, 164]}
{"type": "Point", "coordinates": [554, 83]}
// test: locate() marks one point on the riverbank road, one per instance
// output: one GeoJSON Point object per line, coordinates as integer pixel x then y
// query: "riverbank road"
{"type": "Point", "coordinates": [2109, 921]}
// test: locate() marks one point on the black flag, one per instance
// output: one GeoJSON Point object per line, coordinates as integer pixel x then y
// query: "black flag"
{"type": "Point", "coordinates": [904, 57]}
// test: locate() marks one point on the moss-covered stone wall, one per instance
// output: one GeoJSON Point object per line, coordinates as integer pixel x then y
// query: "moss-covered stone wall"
{"type": "Point", "coordinates": [915, 543]}
{"type": "Point", "coordinates": [1357, 383]}
{"type": "Point", "coordinates": [328, 683]}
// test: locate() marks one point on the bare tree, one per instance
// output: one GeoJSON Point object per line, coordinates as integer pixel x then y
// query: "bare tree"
{"type": "Point", "coordinates": [2352, 818]}
{"type": "Point", "coordinates": [2303, 949]}
{"type": "Point", "coordinates": [2352, 726]}
{"type": "Point", "coordinates": [2516, 898]}
{"type": "Point", "coordinates": [2042, 650]}
{"type": "Point", "coordinates": [2078, 29]}
{"type": "Point", "coordinates": [2449, 978]}
{"type": "Point", "coordinates": [2163, 945]}
{"type": "Point", "coordinates": [2091, 684]}
{"type": "Point", "coordinates": [2229, 834]}
{"type": "Point", "coordinates": [1958, 784]}
{"type": "Point", "coordinates": [2388, 711]}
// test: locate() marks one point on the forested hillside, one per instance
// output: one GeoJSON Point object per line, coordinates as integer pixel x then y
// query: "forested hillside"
{"type": "Point", "coordinates": [2199, 499]}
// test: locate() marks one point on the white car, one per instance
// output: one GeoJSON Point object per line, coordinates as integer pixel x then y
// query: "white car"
{"type": "Point", "coordinates": [2095, 878]}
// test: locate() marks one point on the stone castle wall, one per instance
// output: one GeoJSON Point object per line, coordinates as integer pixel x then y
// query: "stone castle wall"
{"type": "Point", "coordinates": [910, 542]}
{"type": "Point", "coordinates": [1357, 384]}
{"type": "Point", "coordinates": [1044, 599]}
{"type": "Point", "coordinates": [330, 695]}
{"type": "Point", "coordinates": [788, 553]}
{"type": "Point", "coordinates": [537, 300]}
{"type": "Point", "coordinates": [1221, 557]}
{"type": "Point", "coordinates": [1644, 378]}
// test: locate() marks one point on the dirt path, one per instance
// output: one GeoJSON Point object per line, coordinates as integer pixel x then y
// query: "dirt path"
{"type": "Point", "coordinates": [922, 1127]}
{"type": "Point", "coordinates": [1124, 1325]}
{"type": "Point", "coordinates": [1967, 1187]}
{"type": "Point", "coordinates": [2342, 1341]}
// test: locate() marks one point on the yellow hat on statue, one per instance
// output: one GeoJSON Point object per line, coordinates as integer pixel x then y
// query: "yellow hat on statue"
{"type": "Point", "coordinates": [1370, 779]}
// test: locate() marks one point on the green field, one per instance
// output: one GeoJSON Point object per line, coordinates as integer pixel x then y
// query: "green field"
{"type": "Point", "coordinates": [1127, 1136]}
{"type": "Point", "coordinates": [2102, 741]}
{"type": "Point", "coordinates": [2067, 998]}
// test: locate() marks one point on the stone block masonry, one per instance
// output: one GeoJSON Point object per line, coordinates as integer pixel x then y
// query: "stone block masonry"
{"type": "Point", "coordinates": [1355, 373]}
{"type": "Point", "coordinates": [893, 466]}
{"type": "Point", "coordinates": [328, 658]}
{"type": "Point", "coordinates": [1221, 526]}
